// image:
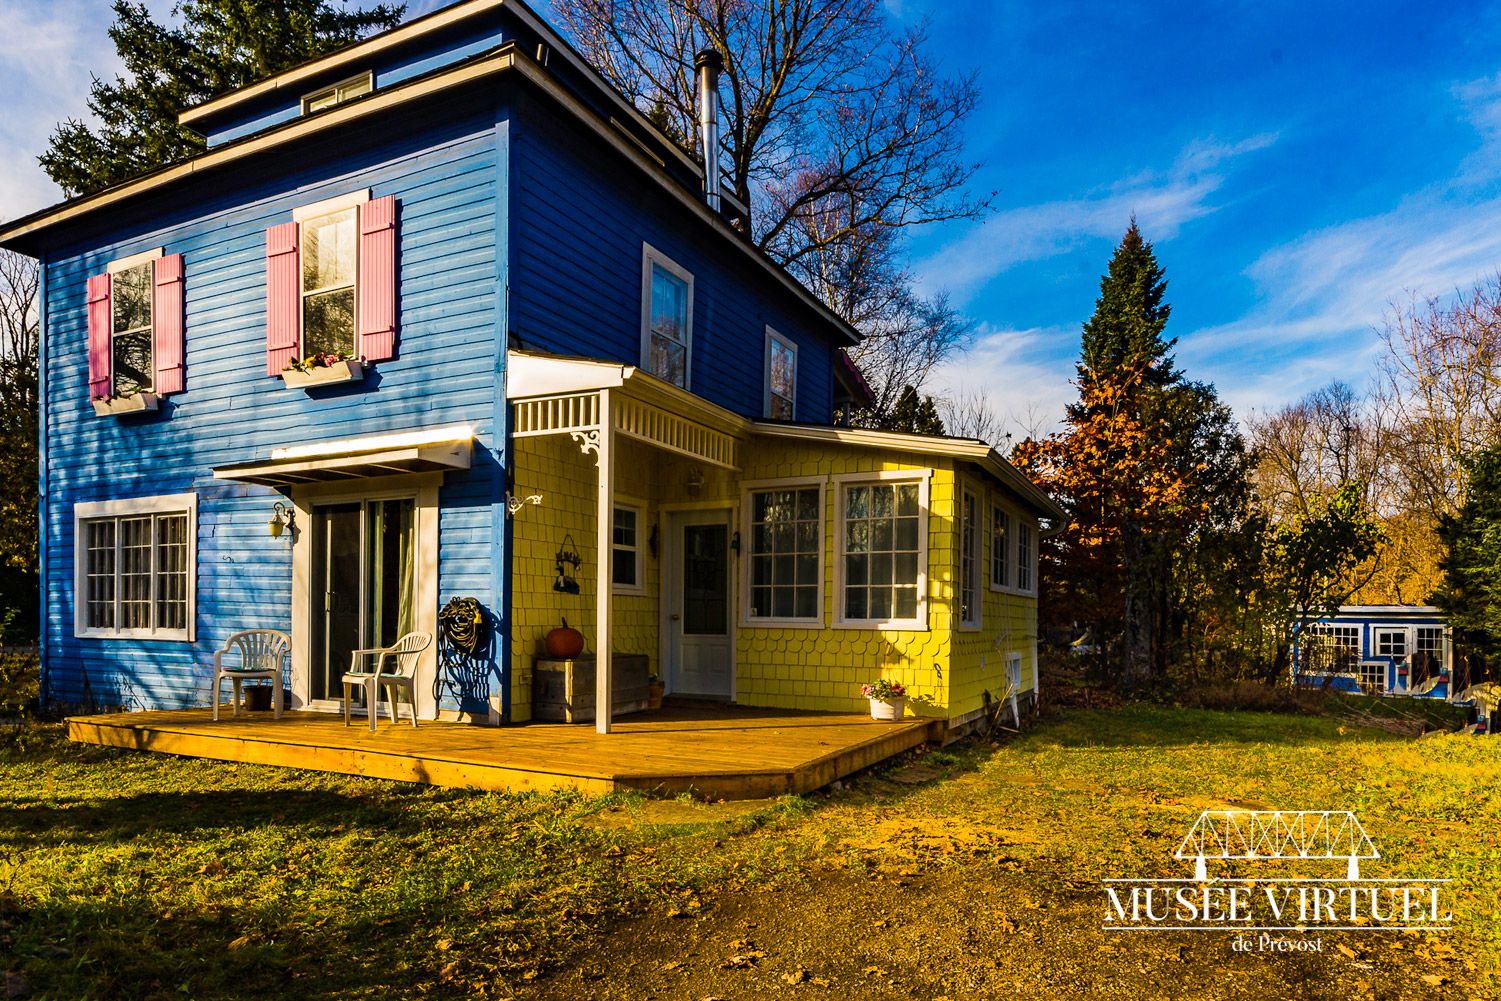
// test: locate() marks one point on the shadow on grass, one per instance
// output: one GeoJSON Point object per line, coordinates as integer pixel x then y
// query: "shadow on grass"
{"type": "Point", "coordinates": [1145, 725]}
{"type": "Point", "coordinates": [74, 818]}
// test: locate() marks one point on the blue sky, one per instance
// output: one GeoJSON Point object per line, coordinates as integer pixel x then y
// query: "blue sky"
{"type": "Point", "coordinates": [1298, 166]}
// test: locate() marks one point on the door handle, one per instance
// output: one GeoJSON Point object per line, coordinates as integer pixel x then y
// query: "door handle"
{"type": "Point", "coordinates": [674, 616]}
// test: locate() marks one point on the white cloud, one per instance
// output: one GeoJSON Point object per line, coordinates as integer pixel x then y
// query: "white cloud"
{"type": "Point", "coordinates": [47, 52]}
{"type": "Point", "coordinates": [1022, 374]}
{"type": "Point", "coordinates": [1324, 294]}
{"type": "Point", "coordinates": [1163, 201]}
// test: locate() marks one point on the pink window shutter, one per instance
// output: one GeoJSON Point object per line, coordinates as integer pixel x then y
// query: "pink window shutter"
{"type": "Point", "coordinates": [167, 324]}
{"type": "Point", "coordinates": [99, 357]}
{"type": "Point", "coordinates": [376, 310]}
{"type": "Point", "coordinates": [283, 288]}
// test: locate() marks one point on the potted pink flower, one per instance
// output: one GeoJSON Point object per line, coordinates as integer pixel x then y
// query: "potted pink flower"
{"type": "Point", "coordinates": [888, 700]}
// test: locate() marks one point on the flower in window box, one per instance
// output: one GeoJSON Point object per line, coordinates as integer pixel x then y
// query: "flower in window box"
{"type": "Point", "coordinates": [319, 360]}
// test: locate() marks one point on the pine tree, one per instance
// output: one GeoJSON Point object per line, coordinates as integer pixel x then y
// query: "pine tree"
{"type": "Point", "coordinates": [221, 45]}
{"type": "Point", "coordinates": [1470, 594]}
{"type": "Point", "coordinates": [913, 414]}
{"type": "Point", "coordinates": [1130, 315]}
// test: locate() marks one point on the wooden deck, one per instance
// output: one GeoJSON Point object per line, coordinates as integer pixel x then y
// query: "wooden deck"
{"type": "Point", "coordinates": [724, 752]}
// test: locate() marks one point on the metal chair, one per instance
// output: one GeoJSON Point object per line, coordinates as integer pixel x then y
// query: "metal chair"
{"type": "Point", "coordinates": [262, 655]}
{"type": "Point", "coordinates": [406, 652]}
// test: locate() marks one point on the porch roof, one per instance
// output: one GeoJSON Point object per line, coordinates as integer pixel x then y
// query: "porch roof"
{"type": "Point", "coordinates": [558, 393]}
{"type": "Point", "coordinates": [381, 455]}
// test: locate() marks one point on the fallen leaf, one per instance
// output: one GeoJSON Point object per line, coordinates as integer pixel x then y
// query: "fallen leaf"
{"type": "Point", "coordinates": [239, 943]}
{"type": "Point", "coordinates": [1434, 980]}
{"type": "Point", "coordinates": [1346, 951]}
{"type": "Point", "coordinates": [796, 977]}
{"type": "Point", "coordinates": [444, 944]}
{"type": "Point", "coordinates": [819, 981]}
{"type": "Point", "coordinates": [873, 971]}
{"type": "Point", "coordinates": [529, 975]}
{"type": "Point", "coordinates": [738, 963]}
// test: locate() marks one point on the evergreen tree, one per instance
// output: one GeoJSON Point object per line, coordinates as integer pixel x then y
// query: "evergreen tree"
{"type": "Point", "coordinates": [1470, 594]}
{"type": "Point", "coordinates": [911, 413]}
{"type": "Point", "coordinates": [221, 45]}
{"type": "Point", "coordinates": [1130, 315]}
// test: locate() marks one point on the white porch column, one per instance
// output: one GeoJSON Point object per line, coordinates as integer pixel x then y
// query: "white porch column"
{"type": "Point", "coordinates": [603, 658]}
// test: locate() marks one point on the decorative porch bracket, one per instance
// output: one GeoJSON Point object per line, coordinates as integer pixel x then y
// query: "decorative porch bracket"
{"type": "Point", "coordinates": [593, 419]}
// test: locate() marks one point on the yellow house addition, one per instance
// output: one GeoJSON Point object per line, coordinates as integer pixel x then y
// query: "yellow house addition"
{"type": "Point", "coordinates": [766, 563]}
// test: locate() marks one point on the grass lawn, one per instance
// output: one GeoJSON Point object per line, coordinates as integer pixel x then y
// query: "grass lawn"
{"type": "Point", "coordinates": [949, 874]}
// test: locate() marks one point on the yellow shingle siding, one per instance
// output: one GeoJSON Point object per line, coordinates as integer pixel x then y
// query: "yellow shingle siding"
{"type": "Point", "coordinates": [780, 666]}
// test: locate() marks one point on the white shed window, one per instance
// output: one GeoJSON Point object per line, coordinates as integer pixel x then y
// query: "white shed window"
{"type": "Point", "coordinates": [1391, 643]}
{"type": "Point", "coordinates": [666, 318]}
{"type": "Point", "coordinates": [134, 567]}
{"type": "Point", "coordinates": [781, 377]}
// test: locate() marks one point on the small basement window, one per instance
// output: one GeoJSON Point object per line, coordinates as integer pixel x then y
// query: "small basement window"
{"type": "Point", "coordinates": [346, 90]}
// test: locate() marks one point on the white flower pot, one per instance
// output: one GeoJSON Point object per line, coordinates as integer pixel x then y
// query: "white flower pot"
{"type": "Point", "coordinates": [888, 710]}
{"type": "Point", "coordinates": [139, 403]}
{"type": "Point", "coordinates": [349, 370]}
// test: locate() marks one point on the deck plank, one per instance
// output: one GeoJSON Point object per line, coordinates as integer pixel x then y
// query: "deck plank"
{"type": "Point", "coordinates": [724, 752]}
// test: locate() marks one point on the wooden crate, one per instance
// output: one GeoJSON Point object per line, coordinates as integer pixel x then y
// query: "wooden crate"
{"type": "Point", "coordinates": [563, 690]}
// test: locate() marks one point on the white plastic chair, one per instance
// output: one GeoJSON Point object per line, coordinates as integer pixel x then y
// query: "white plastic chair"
{"type": "Point", "coordinates": [262, 654]}
{"type": "Point", "coordinates": [406, 652]}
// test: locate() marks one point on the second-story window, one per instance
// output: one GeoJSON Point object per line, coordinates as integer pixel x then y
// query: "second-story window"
{"type": "Point", "coordinates": [667, 318]}
{"type": "Point", "coordinates": [328, 273]}
{"type": "Point", "coordinates": [130, 330]}
{"type": "Point", "coordinates": [781, 376]}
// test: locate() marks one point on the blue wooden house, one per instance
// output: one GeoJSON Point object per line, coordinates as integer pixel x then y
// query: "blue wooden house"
{"type": "Point", "coordinates": [309, 380]}
{"type": "Point", "coordinates": [1379, 650]}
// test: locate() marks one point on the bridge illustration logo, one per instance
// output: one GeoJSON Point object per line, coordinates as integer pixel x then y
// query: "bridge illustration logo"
{"type": "Point", "coordinates": [1277, 903]}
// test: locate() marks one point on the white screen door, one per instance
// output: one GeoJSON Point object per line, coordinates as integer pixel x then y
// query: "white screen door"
{"type": "Point", "coordinates": [697, 604]}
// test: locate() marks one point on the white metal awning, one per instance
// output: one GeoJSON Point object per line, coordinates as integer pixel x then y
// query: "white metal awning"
{"type": "Point", "coordinates": [382, 455]}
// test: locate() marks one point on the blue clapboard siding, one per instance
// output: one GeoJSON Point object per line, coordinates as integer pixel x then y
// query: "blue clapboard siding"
{"type": "Point", "coordinates": [581, 218]}
{"type": "Point", "coordinates": [444, 175]}
{"type": "Point", "coordinates": [390, 66]}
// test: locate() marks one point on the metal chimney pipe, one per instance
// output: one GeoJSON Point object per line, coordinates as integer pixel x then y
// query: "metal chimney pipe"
{"type": "Point", "coordinates": [708, 63]}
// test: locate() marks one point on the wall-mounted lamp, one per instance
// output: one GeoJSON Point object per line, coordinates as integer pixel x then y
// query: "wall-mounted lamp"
{"type": "Point", "coordinates": [695, 481]}
{"type": "Point", "coordinates": [567, 555]}
{"type": "Point", "coordinates": [651, 542]}
{"type": "Point", "coordinates": [735, 543]}
{"type": "Point", "coordinates": [281, 519]}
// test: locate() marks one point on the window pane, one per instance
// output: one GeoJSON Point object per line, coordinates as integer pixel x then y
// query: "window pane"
{"type": "Point", "coordinates": [669, 305]}
{"type": "Point", "coordinates": [355, 89]}
{"type": "Point", "coordinates": [906, 603]}
{"type": "Point", "coordinates": [781, 409]}
{"type": "Point", "coordinates": [782, 571]}
{"type": "Point", "coordinates": [880, 603]}
{"type": "Point", "coordinates": [882, 534]}
{"type": "Point", "coordinates": [906, 499]}
{"type": "Point", "coordinates": [856, 570]}
{"type": "Point", "coordinates": [882, 502]}
{"type": "Point", "coordinates": [135, 573]}
{"type": "Point", "coordinates": [807, 603]}
{"type": "Point", "coordinates": [881, 550]}
{"type": "Point", "coordinates": [784, 550]}
{"type": "Point", "coordinates": [99, 569]}
{"type": "Point", "coordinates": [807, 505]}
{"type": "Point", "coordinates": [130, 292]}
{"type": "Point", "coordinates": [328, 323]}
{"type": "Point", "coordinates": [669, 360]}
{"type": "Point", "coordinates": [857, 536]}
{"type": "Point", "coordinates": [857, 502]}
{"type": "Point", "coordinates": [327, 99]}
{"type": "Point", "coordinates": [131, 355]}
{"type": "Point", "coordinates": [782, 605]}
{"type": "Point", "coordinates": [855, 604]}
{"type": "Point", "coordinates": [904, 570]}
{"type": "Point", "coordinates": [807, 568]}
{"type": "Point", "coordinates": [328, 246]}
{"type": "Point", "coordinates": [172, 571]}
{"type": "Point", "coordinates": [625, 527]}
{"type": "Point", "coordinates": [880, 568]}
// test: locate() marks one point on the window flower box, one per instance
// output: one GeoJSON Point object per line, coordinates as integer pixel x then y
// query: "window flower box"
{"type": "Point", "coordinates": [133, 404]}
{"type": "Point", "coordinates": [327, 374]}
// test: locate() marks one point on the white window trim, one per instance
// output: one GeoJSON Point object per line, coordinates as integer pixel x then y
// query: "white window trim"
{"type": "Point", "coordinates": [976, 558]}
{"type": "Point", "coordinates": [133, 261]}
{"type": "Point", "coordinates": [649, 256]}
{"type": "Point", "coordinates": [162, 504]}
{"type": "Point", "coordinates": [1407, 639]}
{"type": "Point", "coordinates": [328, 206]}
{"type": "Point", "coordinates": [923, 479]}
{"type": "Point", "coordinates": [748, 487]}
{"type": "Point", "coordinates": [772, 335]}
{"type": "Point", "coordinates": [1031, 526]}
{"type": "Point", "coordinates": [368, 77]}
{"type": "Point", "coordinates": [630, 504]}
{"type": "Point", "coordinates": [317, 210]}
{"type": "Point", "coordinates": [1010, 544]}
{"type": "Point", "coordinates": [118, 267]}
{"type": "Point", "coordinates": [1014, 672]}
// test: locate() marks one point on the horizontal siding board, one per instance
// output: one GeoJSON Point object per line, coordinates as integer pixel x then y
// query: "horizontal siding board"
{"type": "Point", "coordinates": [444, 374]}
